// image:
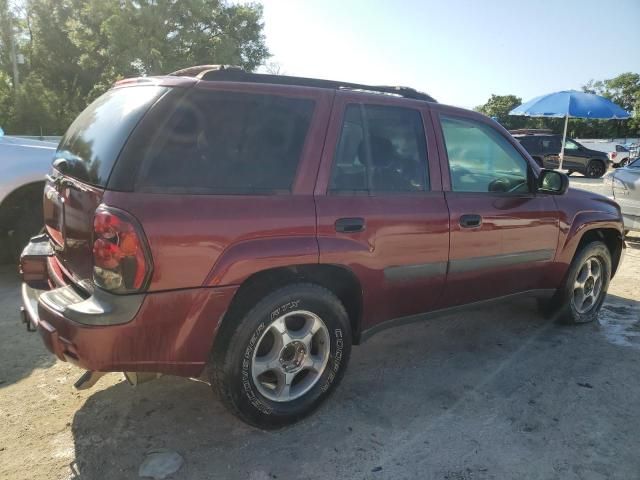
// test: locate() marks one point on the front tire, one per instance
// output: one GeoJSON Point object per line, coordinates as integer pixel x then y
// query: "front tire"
{"type": "Point", "coordinates": [580, 298]}
{"type": "Point", "coordinates": [284, 357]}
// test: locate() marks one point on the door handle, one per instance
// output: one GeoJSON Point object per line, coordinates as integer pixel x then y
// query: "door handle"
{"type": "Point", "coordinates": [470, 221]}
{"type": "Point", "coordinates": [349, 225]}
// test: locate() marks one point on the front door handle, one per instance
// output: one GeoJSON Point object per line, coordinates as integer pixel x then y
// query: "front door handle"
{"type": "Point", "coordinates": [349, 225]}
{"type": "Point", "coordinates": [470, 221]}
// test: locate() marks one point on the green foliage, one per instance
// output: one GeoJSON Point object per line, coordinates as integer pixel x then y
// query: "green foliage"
{"type": "Point", "coordinates": [76, 49]}
{"type": "Point", "coordinates": [625, 91]}
{"type": "Point", "coordinates": [499, 106]}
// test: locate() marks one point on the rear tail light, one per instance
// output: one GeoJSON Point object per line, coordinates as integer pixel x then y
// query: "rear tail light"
{"type": "Point", "coordinates": [121, 259]}
{"type": "Point", "coordinates": [613, 155]}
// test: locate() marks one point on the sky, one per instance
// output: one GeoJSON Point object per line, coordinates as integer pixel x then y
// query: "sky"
{"type": "Point", "coordinates": [458, 51]}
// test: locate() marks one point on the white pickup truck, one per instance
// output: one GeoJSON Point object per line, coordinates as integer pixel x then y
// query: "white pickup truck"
{"type": "Point", "coordinates": [23, 166]}
{"type": "Point", "coordinates": [618, 154]}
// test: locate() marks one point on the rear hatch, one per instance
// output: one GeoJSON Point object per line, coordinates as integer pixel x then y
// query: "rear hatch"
{"type": "Point", "coordinates": [82, 165]}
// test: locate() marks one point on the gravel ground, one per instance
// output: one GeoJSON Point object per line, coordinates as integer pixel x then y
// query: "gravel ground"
{"type": "Point", "coordinates": [493, 394]}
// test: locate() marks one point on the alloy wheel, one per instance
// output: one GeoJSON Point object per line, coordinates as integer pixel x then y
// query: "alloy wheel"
{"type": "Point", "coordinates": [588, 285]}
{"type": "Point", "coordinates": [595, 169]}
{"type": "Point", "coordinates": [290, 356]}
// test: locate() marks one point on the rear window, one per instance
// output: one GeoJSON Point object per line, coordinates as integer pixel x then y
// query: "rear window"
{"type": "Point", "coordinates": [226, 143]}
{"type": "Point", "coordinates": [93, 141]}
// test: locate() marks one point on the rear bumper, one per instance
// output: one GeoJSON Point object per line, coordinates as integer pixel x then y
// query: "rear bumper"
{"type": "Point", "coordinates": [168, 332]}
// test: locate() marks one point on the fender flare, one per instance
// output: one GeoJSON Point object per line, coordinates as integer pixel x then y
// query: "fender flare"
{"type": "Point", "coordinates": [241, 260]}
{"type": "Point", "coordinates": [582, 223]}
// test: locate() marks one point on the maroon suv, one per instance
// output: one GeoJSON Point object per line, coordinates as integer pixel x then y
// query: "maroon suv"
{"type": "Point", "coordinates": [256, 226]}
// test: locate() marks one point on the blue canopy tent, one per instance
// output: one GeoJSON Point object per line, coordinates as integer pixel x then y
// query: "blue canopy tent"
{"type": "Point", "coordinates": [571, 103]}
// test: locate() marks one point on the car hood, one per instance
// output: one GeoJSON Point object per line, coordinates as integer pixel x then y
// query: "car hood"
{"type": "Point", "coordinates": [585, 200]}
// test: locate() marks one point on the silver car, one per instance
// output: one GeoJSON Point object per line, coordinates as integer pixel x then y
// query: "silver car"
{"type": "Point", "coordinates": [625, 189]}
{"type": "Point", "coordinates": [23, 166]}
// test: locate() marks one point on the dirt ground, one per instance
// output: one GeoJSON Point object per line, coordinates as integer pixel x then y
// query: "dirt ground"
{"type": "Point", "coordinates": [499, 393]}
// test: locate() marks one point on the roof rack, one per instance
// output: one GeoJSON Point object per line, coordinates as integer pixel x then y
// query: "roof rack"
{"type": "Point", "coordinates": [230, 73]}
{"type": "Point", "coordinates": [530, 131]}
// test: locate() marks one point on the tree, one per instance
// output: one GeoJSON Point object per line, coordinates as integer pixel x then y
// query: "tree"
{"type": "Point", "coordinates": [623, 90]}
{"type": "Point", "coordinates": [76, 49]}
{"type": "Point", "coordinates": [499, 106]}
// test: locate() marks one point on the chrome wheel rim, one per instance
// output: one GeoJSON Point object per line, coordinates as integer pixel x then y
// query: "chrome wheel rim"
{"type": "Point", "coordinates": [290, 356]}
{"type": "Point", "coordinates": [588, 285]}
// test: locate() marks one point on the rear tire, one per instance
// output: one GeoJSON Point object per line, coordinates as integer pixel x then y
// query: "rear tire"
{"type": "Point", "coordinates": [585, 287]}
{"type": "Point", "coordinates": [284, 357]}
{"type": "Point", "coordinates": [21, 215]}
{"type": "Point", "coordinates": [595, 169]}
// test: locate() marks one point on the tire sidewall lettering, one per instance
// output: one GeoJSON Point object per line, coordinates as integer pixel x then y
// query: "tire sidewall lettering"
{"type": "Point", "coordinates": [332, 369]}
{"type": "Point", "coordinates": [247, 384]}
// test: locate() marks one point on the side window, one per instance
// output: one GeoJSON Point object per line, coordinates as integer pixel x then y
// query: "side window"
{"type": "Point", "coordinates": [481, 159]}
{"type": "Point", "coordinates": [381, 149]}
{"type": "Point", "coordinates": [570, 145]}
{"type": "Point", "coordinates": [227, 143]}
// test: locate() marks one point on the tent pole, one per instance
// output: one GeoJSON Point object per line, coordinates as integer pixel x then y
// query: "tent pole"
{"type": "Point", "coordinates": [564, 138]}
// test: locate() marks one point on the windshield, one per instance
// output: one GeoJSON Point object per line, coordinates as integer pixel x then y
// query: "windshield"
{"type": "Point", "coordinates": [95, 138]}
{"type": "Point", "coordinates": [635, 163]}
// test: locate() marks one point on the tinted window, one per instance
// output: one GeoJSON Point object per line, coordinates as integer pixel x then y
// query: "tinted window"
{"type": "Point", "coordinates": [532, 144]}
{"type": "Point", "coordinates": [381, 149]}
{"type": "Point", "coordinates": [571, 145]}
{"type": "Point", "coordinates": [481, 159]}
{"type": "Point", "coordinates": [551, 145]}
{"type": "Point", "coordinates": [226, 142]}
{"type": "Point", "coordinates": [94, 140]}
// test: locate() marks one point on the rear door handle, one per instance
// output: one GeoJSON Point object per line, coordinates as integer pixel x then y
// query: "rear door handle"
{"type": "Point", "coordinates": [470, 221]}
{"type": "Point", "coordinates": [349, 225]}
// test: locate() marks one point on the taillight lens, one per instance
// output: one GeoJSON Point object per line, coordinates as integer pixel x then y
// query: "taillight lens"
{"type": "Point", "coordinates": [613, 155]}
{"type": "Point", "coordinates": [121, 260]}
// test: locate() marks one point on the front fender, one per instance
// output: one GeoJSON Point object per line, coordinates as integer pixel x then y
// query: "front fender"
{"type": "Point", "coordinates": [583, 223]}
{"type": "Point", "coordinates": [241, 260]}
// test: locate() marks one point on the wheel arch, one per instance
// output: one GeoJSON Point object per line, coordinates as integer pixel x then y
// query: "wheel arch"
{"type": "Point", "coordinates": [589, 229]}
{"type": "Point", "coordinates": [338, 279]}
{"type": "Point", "coordinates": [18, 194]}
{"type": "Point", "coordinates": [611, 238]}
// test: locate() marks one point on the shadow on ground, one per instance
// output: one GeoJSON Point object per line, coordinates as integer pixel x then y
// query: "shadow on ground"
{"type": "Point", "coordinates": [20, 356]}
{"type": "Point", "coordinates": [498, 393]}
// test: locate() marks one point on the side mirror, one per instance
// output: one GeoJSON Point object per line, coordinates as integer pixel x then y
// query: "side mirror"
{"type": "Point", "coordinates": [553, 182]}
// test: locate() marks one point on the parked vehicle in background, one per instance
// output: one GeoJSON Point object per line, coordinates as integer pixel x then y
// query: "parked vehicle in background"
{"type": "Point", "coordinates": [625, 189]}
{"type": "Point", "coordinates": [23, 166]}
{"type": "Point", "coordinates": [253, 227]}
{"type": "Point", "coordinates": [620, 157]}
{"type": "Point", "coordinates": [545, 149]}
{"type": "Point", "coordinates": [617, 153]}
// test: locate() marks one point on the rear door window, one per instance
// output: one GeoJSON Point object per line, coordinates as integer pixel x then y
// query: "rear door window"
{"type": "Point", "coordinates": [227, 143]}
{"type": "Point", "coordinates": [551, 145]}
{"type": "Point", "coordinates": [93, 142]}
{"type": "Point", "coordinates": [381, 149]}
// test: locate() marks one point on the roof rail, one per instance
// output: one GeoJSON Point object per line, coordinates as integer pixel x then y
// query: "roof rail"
{"type": "Point", "coordinates": [530, 131]}
{"type": "Point", "coordinates": [230, 73]}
